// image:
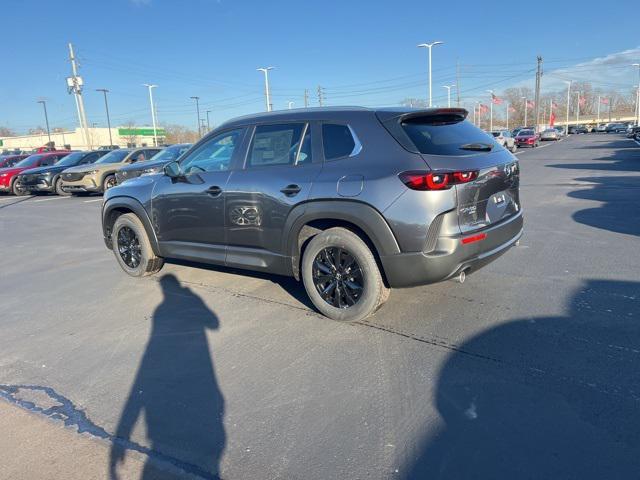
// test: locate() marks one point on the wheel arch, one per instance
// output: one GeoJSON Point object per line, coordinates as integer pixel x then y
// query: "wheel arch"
{"type": "Point", "coordinates": [116, 206]}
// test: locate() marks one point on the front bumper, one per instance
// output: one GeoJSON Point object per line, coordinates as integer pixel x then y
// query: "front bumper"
{"type": "Point", "coordinates": [451, 256]}
{"type": "Point", "coordinates": [86, 185]}
{"type": "Point", "coordinates": [42, 185]}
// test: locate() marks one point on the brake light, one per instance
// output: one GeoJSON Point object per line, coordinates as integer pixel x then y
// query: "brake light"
{"type": "Point", "coordinates": [419, 180]}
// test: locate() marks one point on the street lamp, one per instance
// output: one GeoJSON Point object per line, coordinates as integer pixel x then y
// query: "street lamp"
{"type": "Point", "coordinates": [490, 110]}
{"type": "Point", "coordinates": [267, 93]}
{"type": "Point", "coordinates": [153, 112]}
{"type": "Point", "coordinates": [638, 95]}
{"type": "Point", "coordinates": [448, 87]}
{"type": "Point", "coordinates": [568, 82]}
{"type": "Point", "coordinates": [106, 106]}
{"type": "Point", "coordinates": [197, 99]}
{"type": "Point", "coordinates": [525, 110]}
{"type": "Point", "coordinates": [46, 118]}
{"type": "Point", "coordinates": [429, 46]}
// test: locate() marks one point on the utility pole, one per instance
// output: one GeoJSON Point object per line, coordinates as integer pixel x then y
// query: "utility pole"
{"type": "Point", "coordinates": [208, 124]}
{"type": "Point", "coordinates": [525, 110]}
{"type": "Point", "coordinates": [46, 118]}
{"type": "Point", "coordinates": [491, 107]}
{"type": "Point", "coordinates": [637, 65]}
{"type": "Point", "coordinates": [537, 96]}
{"type": "Point", "coordinates": [578, 109]}
{"type": "Point", "coordinates": [153, 112]}
{"type": "Point", "coordinates": [457, 83]}
{"type": "Point", "coordinates": [448, 87]}
{"type": "Point", "coordinates": [74, 85]}
{"type": "Point", "coordinates": [568, 82]}
{"type": "Point", "coordinates": [106, 107]}
{"type": "Point", "coordinates": [598, 116]}
{"type": "Point", "coordinates": [508, 107]}
{"type": "Point", "coordinates": [320, 95]}
{"type": "Point", "coordinates": [306, 98]}
{"type": "Point", "coordinates": [267, 92]}
{"type": "Point", "coordinates": [197, 99]}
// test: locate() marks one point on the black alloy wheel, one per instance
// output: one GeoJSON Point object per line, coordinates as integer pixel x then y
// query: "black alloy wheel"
{"type": "Point", "coordinates": [338, 277]}
{"type": "Point", "coordinates": [129, 247]}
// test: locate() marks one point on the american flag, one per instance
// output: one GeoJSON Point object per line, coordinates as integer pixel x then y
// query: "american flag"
{"type": "Point", "coordinates": [483, 109]}
{"type": "Point", "coordinates": [496, 100]}
{"type": "Point", "coordinates": [554, 105]}
{"type": "Point", "coordinates": [604, 101]}
{"type": "Point", "coordinates": [511, 109]}
{"type": "Point", "coordinates": [582, 101]}
{"type": "Point", "coordinates": [531, 104]}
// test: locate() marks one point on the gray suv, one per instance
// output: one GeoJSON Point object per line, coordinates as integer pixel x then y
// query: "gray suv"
{"type": "Point", "coordinates": [352, 201]}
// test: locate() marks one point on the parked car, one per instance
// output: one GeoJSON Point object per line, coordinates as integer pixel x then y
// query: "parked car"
{"type": "Point", "coordinates": [561, 131]}
{"type": "Point", "coordinates": [616, 128]}
{"type": "Point", "coordinates": [527, 138]}
{"type": "Point", "coordinates": [47, 179]}
{"type": "Point", "coordinates": [154, 165]}
{"type": "Point", "coordinates": [504, 139]}
{"type": "Point", "coordinates": [10, 160]}
{"type": "Point", "coordinates": [9, 176]}
{"type": "Point", "coordinates": [100, 176]}
{"type": "Point", "coordinates": [632, 130]}
{"type": "Point", "coordinates": [351, 201]}
{"type": "Point", "coordinates": [601, 128]}
{"type": "Point", "coordinates": [550, 134]}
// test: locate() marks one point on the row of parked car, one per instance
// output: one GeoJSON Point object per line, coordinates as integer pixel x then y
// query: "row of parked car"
{"type": "Point", "coordinates": [66, 172]}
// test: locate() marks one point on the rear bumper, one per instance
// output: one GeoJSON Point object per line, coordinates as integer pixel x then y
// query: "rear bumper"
{"type": "Point", "coordinates": [451, 256]}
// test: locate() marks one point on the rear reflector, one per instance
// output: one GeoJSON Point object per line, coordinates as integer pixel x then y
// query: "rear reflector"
{"type": "Point", "coordinates": [419, 180]}
{"type": "Point", "coordinates": [474, 238]}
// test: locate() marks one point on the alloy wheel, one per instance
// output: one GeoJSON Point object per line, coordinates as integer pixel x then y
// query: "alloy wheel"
{"type": "Point", "coordinates": [129, 247]}
{"type": "Point", "coordinates": [110, 182]}
{"type": "Point", "coordinates": [338, 277]}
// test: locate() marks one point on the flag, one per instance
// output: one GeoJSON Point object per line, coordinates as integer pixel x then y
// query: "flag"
{"type": "Point", "coordinates": [511, 109]}
{"type": "Point", "coordinates": [483, 109]}
{"type": "Point", "coordinates": [582, 101]}
{"type": "Point", "coordinates": [496, 100]}
{"type": "Point", "coordinates": [604, 101]}
{"type": "Point", "coordinates": [530, 104]}
{"type": "Point", "coordinates": [554, 105]}
{"type": "Point", "coordinates": [552, 119]}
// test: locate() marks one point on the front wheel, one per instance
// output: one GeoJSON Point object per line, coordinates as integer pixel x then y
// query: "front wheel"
{"type": "Point", "coordinates": [341, 276]}
{"type": "Point", "coordinates": [108, 182]}
{"type": "Point", "coordinates": [514, 148]}
{"type": "Point", "coordinates": [57, 186]}
{"type": "Point", "coordinates": [17, 189]}
{"type": "Point", "coordinates": [132, 248]}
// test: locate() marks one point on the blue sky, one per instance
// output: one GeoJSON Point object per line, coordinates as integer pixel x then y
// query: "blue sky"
{"type": "Point", "coordinates": [362, 52]}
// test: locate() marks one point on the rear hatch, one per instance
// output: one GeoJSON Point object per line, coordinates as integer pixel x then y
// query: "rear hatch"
{"type": "Point", "coordinates": [449, 143]}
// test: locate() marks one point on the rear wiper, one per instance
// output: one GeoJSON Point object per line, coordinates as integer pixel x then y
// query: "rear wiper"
{"type": "Point", "coordinates": [477, 147]}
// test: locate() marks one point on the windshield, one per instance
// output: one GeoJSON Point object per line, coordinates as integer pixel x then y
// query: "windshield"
{"type": "Point", "coordinates": [444, 134]}
{"type": "Point", "coordinates": [71, 159]}
{"type": "Point", "coordinates": [495, 134]}
{"type": "Point", "coordinates": [525, 132]}
{"type": "Point", "coordinates": [170, 153]}
{"type": "Point", "coordinates": [30, 161]}
{"type": "Point", "coordinates": [114, 157]}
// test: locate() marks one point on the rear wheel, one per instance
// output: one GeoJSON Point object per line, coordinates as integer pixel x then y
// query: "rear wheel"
{"type": "Point", "coordinates": [132, 248]}
{"type": "Point", "coordinates": [341, 276]}
{"type": "Point", "coordinates": [514, 148]}
{"type": "Point", "coordinates": [57, 187]}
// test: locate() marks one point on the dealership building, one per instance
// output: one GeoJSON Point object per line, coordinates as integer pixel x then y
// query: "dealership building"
{"type": "Point", "coordinates": [94, 138]}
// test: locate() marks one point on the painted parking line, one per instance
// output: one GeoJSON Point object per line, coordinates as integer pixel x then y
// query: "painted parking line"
{"type": "Point", "coordinates": [92, 201]}
{"type": "Point", "coordinates": [51, 199]}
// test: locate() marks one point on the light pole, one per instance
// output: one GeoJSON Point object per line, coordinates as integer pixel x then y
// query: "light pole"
{"type": "Point", "coordinates": [568, 82]}
{"type": "Point", "coordinates": [267, 93]}
{"type": "Point", "coordinates": [290, 104]}
{"type": "Point", "coordinates": [429, 46]}
{"type": "Point", "coordinates": [508, 107]}
{"type": "Point", "coordinates": [490, 92]}
{"type": "Point", "coordinates": [479, 114]}
{"type": "Point", "coordinates": [197, 99]}
{"type": "Point", "coordinates": [578, 109]}
{"type": "Point", "coordinates": [448, 87]}
{"type": "Point", "coordinates": [525, 111]}
{"type": "Point", "coordinates": [106, 107]}
{"type": "Point", "coordinates": [208, 124]}
{"type": "Point", "coordinates": [637, 65]}
{"type": "Point", "coordinates": [46, 118]}
{"type": "Point", "coordinates": [153, 112]}
{"type": "Point", "coordinates": [598, 115]}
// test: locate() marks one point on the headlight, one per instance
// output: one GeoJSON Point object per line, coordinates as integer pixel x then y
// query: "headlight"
{"type": "Point", "coordinates": [91, 172]}
{"type": "Point", "coordinates": [152, 170]}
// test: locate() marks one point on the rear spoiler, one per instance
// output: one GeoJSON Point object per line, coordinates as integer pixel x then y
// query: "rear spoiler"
{"type": "Point", "coordinates": [392, 121]}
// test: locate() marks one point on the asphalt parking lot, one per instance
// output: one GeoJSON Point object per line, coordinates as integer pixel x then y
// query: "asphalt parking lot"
{"type": "Point", "coordinates": [530, 369]}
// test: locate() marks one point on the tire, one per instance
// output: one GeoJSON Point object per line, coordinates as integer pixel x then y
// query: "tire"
{"type": "Point", "coordinates": [18, 192]}
{"type": "Point", "coordinates": [108, 182]}
{"type": "Point", "coordinates": [127, 252]}
{"type": "Point", "coordinates": [57, 188]}
{"type": "Point", "coordinates": [514, 148]}
{"type": "Point", "coordinates": [321, 251]}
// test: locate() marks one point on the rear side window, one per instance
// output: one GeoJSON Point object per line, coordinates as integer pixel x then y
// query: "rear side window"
{"type": "Point", "coordinates": [444, 134]}
{"type": "Point", "coordinates": [337, 141]}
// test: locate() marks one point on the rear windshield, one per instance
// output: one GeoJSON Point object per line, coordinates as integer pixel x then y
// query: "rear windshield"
{"type": "Point", "coordinates": [444, 134]}
{"type": "Point", "coordinates": [522, 133]}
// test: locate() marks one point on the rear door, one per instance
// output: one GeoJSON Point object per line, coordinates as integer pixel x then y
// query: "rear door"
{"type": "Point", "coordinates": [277, 175]}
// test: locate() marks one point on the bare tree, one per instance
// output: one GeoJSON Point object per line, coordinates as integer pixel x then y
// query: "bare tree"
{"type": "Point", "coordinates": [414, 103]}
{"type": "Point", "coordinates": [179, 134]}
{"type": "Point", "coordinates": [7, 132]}
{"type": "Point", "coordinates": [130, 137]}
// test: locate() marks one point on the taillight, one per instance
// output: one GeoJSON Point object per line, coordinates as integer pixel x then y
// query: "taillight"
{"type": "Point", "coordinates": [419, 180]}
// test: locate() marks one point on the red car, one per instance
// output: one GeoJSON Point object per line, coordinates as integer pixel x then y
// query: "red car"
{"type": "Point", "coordinates": [10, 160]}
{"type": "Point", "coordinates": [527, 138]}
{"type": "Point", "coordinates": [9, 175]}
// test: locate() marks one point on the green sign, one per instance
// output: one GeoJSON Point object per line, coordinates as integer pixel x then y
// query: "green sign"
{"type": "Point", "coordinates": [140, 132]}
{"type": "Point", "coordinates": [1, 144]}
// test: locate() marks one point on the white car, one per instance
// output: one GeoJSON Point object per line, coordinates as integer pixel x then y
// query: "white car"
{"type": "Point", "coordinates": [504, 138]}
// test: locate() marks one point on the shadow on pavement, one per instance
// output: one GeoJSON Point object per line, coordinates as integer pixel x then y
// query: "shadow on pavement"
{"type": "Point", "coordinates": [560, 399]}
{"type": "Point", "coordinates": [625, 158]}
{"type": "Point", "coordinates": [175, 392]}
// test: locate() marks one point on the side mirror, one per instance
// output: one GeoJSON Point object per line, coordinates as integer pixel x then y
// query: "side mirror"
{"type": "Point", "coordinates": [173, 170]}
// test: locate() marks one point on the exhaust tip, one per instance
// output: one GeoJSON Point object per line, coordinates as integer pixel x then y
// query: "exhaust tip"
{"type": "Point", "coordinates": [462, 276]}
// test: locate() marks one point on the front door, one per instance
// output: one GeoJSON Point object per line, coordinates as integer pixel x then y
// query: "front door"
{"type": "Point", "coordinates": [188, 212]}
{"type": "Point", "coordinates": [278, 174]}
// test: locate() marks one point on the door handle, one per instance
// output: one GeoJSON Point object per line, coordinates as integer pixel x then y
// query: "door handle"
{"type": "Point", "coordinates": [291, 190]}
{"type": "Point", "coordinates": [214, 191]}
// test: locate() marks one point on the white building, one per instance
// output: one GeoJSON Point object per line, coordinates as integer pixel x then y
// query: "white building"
{"type": "Point", "coordinates": [75, 139]}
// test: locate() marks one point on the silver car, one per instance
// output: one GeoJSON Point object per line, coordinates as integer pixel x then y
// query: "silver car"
{"type": "Point", "coordinates": [504, 138]}
{"type": "Point", "coordinates": [550, 134]}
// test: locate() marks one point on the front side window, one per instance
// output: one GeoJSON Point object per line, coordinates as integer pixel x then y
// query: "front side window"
{"type": "Point", "coordinates": [337, 141]}
{"type": "Point", "coordinates": [214, 155]}
{"type": "Point", "coordinates": [278, 145]}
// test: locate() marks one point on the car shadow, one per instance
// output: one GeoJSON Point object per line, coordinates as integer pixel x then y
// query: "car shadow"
{"type": "Point", "coordinates": [175, 394]}
{"type": "Point", "coordinates": [625, 158]}
{"type": "Point", "coordinates": [543, 397]}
